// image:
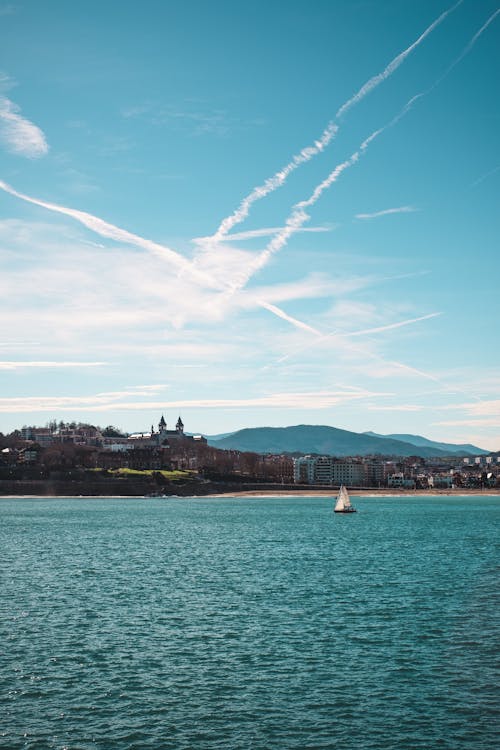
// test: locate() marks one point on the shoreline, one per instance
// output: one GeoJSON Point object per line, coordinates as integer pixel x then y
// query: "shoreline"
{"type": "Point", "coordinates": [493, 492]}
{"type": "Point", "coordinates": [327, 492]}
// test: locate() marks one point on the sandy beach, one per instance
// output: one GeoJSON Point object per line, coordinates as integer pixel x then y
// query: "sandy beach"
{"type": "Point", "coordinates": [263, 494]}
{"type": "Point", "coordinates": [495, 491]}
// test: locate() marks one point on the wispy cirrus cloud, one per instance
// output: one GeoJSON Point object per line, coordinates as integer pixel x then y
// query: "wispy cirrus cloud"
{"type": "Point", "coordinates": [110, 231]}
{"type": "Point", "coordinates": [397, 407]}
{"type": "Point", "coordinates": [113, 401]}
{"type": "Point", "coordinates": [17, 133]}
{"type": "Point", "coordinates": [486, 407]}
{"type": "Point", "coordinates": [20, 364]}
{"type": "Point", "coordinates": [346, 336]}
{"type": "Point", "coordinates": [20, 135]}
{"type": "Point", "coordinates": [212, 273]}
{"type": "Point", "coordinates": [192, 117]}
{"type": "Point", "coordinates": [151, 388]}
{"type": "Point", "coordinates": [387, 211]}
{"type": "Point", "coordinates": [472, 422]}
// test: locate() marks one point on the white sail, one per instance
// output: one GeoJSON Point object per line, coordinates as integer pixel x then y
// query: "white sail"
{"type": "Point", "coordinates": [343, 500]}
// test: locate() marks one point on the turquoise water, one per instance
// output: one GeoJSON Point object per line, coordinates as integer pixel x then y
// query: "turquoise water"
{"type": "Point", "coordinates": [249, 623]}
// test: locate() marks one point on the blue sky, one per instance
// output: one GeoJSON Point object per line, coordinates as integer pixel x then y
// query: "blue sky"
{"type": "Point", "coordinates": [251, 214]}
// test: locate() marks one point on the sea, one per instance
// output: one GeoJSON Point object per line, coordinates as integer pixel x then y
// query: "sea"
{"type": "Point", "coordinates": [238, 623]}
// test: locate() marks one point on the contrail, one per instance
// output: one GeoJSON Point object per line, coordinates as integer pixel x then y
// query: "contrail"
{"type": "Point", "coordinates": [298, 217]}
{"type": "Point", "coordinates": [274, 182]}
{"type": "Point", "coordinates": [472, 42]}
{"type": "Point", "coordinates": [296, 220]}
{"type": "Point", "coordinates": [387, 211]}
{"type": "Point", "coordinates": [485, 176]}
{"type": "Point", "coordinates": [448, 70]}
{"type": "Point", "coordinates": [394, 64]}
{"type": "Point", "coordinates": [392, 326]}
{"type": "Point", "coordinates": [294, 321]}
{"type": "Point", "coordinates": [293, 224]}
{"type": "Point", "coordinates": [104, 229]}
{"type": "Point", "coordinates": [346, 336]}
{"type": "Point", "coordinates": [251, 234]}
{"type": "Point", "coordinates": [321, 337]}
{"type": "Point", "coordinates": [280, 177]}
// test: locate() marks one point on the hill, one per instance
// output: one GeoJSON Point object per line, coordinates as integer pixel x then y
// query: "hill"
{"type": "Point", "coordinates": [325, 440]}
{"type": "Point", "coordinates": [449, 448]}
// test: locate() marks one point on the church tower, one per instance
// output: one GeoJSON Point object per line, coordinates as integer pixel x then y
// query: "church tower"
{"type": "Point", "coordinates": [179, 427]}
{"type": "Point", "coordinates": [162, 425]}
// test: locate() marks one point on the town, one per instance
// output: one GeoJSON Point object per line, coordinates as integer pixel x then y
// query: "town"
{"type": "Point", "coordinates": [93, 460]}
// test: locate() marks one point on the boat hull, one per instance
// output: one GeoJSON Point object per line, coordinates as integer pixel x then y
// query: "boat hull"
{"type": "Point", "coordinates": [347, 510]}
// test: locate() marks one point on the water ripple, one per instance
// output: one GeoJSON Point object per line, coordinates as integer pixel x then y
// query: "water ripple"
{"type": "Point", "coordinates": [131, 624]}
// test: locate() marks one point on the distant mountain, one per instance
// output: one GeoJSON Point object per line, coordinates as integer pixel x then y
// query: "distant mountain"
{"type": "Point", "coordinates": [449, 448]}
{"type": "Point", "coordinates": [218, 437]}
{"type": "Point", "coordinates": [327, 441]}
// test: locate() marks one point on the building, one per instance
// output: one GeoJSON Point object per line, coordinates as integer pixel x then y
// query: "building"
{"type": "Point", "coordinates": [328, 470]}
{"type": "Point", "coordinates": [163, 436]}
{"type": "Point", "coordinates": [41, 435]}
{"type": "Point", "coordinates": [399, 480]}
{"type": "Point", "coordinates": [351, 473]}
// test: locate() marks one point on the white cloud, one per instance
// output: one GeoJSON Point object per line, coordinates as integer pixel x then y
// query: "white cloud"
{"type": "Point", "coordinates": [18, 365]}
{"type": "Point", "coordinates": [312, 286]}
{"type": "Point", "coordinates": [20, 135]}
{"type": "Point", "coordinates": [470, 422]}
{"type": "Point", "coordinates": [105, 229]}
{"type": "Point", "coordinates": [150, 388]}
{"type": "Point", "coordinates": [112, 402]}
{"type": "Point", "coordinates": [399, 407]}
{"type": "Point", "coordinates": [486, 408]}
{"type": "Point", "coordinates": [211, 270]}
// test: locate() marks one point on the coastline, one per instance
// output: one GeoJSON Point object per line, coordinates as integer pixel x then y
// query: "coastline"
{"type": "Point", "coordinates": [263, 494]}
{"type": "Point", "coordinates": [327, 492]}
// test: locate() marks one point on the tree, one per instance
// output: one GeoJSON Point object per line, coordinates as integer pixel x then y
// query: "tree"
{"type": "Point", "coordinates": [111, 431]}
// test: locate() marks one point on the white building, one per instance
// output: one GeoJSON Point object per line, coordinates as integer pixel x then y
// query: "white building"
{"type": "Point", "coordinates": [349, 473]}
{"type": "Point", "coordinates": [327, 470]}
{"type": "Point", "coordinates": [303, 470]}
{"type": "Point", "coordinates": [398, 479]}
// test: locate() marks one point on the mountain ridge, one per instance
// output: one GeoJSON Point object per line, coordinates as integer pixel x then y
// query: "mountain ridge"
{"type": "Point", "coordinates": [327, 440]}
{"type": "Point", "coordinates": [419, 440]}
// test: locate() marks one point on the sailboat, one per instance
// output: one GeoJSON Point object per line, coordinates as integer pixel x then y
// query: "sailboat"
{"type": "Point", "coordinates": [343, 504]}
